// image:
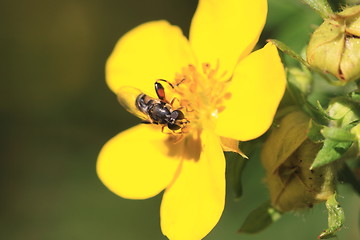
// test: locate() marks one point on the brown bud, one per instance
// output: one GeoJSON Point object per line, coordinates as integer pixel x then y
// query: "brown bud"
{"type": "Point", "coordinates": [287, 156]}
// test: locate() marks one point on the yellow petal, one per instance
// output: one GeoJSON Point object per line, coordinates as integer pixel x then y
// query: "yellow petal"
{"type": "Point", "coordinates": [257, 88]}
{"type": "Point", "coordinates": [226, 30]}
{"type": "Point", "coordinates": [192, 206]}
{"type": "Point", "coordinates": [148, 52]}
{"type": "Point", "coordinates": [231, 145]}
{"type": "Point", "coordinates": [139, 162]}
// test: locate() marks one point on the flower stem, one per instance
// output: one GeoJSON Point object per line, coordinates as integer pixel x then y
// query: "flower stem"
{"type": "Point", "coordinates": [322, 7]}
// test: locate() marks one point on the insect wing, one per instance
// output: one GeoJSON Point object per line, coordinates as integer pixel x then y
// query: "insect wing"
{"type": "Point", "coordinates": [127, 97]}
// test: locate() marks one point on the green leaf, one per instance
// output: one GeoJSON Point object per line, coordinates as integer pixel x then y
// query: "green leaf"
{"type": "Point", "coordinates": [322, 7]}
{"type": "Point", "coordinates": [335, 218]}
{"type": "Point", "coordinates": [331, 151]}
{"type": "Point", "coordinates": [337, 142]}
{"type": "Point", "coordinates": [338, 134]}
{"type": "Point", "coordinates": [260, 218]}
{"type": "Point", "coordinates": [238, 164]}
{"type": "Point", "coordinates": [323, 112]}
{"type": "Point", "coordinates": [316, 113]}
{"type": "Point", "coordinates": [314, 132]}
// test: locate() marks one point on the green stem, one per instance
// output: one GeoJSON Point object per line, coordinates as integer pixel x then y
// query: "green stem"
{"type": "Point", "coordinates": [322, 7]}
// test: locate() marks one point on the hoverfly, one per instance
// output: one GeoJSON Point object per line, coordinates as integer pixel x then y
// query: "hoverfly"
{"type": "Point", "coordinates": [153, 110]}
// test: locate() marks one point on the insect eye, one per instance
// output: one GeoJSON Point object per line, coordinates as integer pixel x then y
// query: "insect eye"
{"type": "Point", "coordinates": [177, 114]}
{"type": "Point", "coordinates": [173, 126]}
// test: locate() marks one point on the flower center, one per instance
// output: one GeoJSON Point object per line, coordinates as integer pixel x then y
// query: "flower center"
{"type": "Point", "coordinates": [200, 95]}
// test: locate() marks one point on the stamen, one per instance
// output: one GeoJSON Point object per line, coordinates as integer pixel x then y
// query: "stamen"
{"type": "Point", "coordinates": [199, 95]}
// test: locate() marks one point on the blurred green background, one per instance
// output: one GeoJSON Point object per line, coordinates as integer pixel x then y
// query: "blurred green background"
{"type": "Point", "coordinates": [57, 112]}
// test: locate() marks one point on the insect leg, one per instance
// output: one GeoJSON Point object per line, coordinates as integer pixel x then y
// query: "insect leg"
{"type": "Point", "coordinates": [163, 80]}
{"type": "Point", "coordinates": [162, 129]}
{"type": "Point", "coordinates": [180, 82]}
{"type": "Point", "coordinates": [166, 130]}
{"type": "Point", "coordinates": [171, 85]}
{"type": "Point", "coordinates": [147, 122]}
{"type": "Point", "coordinates": [160, 91]}
{"type": "Point", "coordinates": [173, 100]}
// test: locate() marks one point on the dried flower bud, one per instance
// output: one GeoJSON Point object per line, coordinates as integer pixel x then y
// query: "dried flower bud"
{"type": "Point", "coordinates": [334, 47]}
{"type": "Point", "coordinates": [287, 156]}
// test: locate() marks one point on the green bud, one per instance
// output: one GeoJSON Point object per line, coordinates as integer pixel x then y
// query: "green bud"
{"type": "Point", "coordinates": [343, 112]}
{"type": "Point", "coordinates": [334, 47]}
{"type": "Point", "coordinates": [301, 79]}
{"type": "Point", "coordinates": [356, 131]}
{"type": "Point", "coordinates": [287, 156]}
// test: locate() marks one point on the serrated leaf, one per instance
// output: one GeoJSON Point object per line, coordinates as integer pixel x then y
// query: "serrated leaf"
{"type": "Point", "coordinates": [336, 218]}
{"type": "Point", "coordinates": [322, 7]}
{"type": "Point", "coordinates": [314, 132]}
{"type": "Point", "coordinates": [338, 134]}
{"type": "Point", "coordinates": [260, 218]}
{"type": "Point", "coordinates": [330, 152]}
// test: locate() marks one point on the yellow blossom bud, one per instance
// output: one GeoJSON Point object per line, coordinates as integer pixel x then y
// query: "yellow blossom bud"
{"type": "Point", "coordinates": [287, 156]}
{"type": "Point", "coordinates": [334, 47]}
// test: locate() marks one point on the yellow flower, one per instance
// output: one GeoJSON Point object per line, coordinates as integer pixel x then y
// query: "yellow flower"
{"type": "Point", "coordinates": [224, 92]}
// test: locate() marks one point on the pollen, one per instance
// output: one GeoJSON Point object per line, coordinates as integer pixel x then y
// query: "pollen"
{"type": "Point", "coordinates": [201, 93]}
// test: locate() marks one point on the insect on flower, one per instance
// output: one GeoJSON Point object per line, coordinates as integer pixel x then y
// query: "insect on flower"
{"type": "Point", "coordinates": [217, 93]}
{"type": "Point", "coordinates": [151, 110]}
